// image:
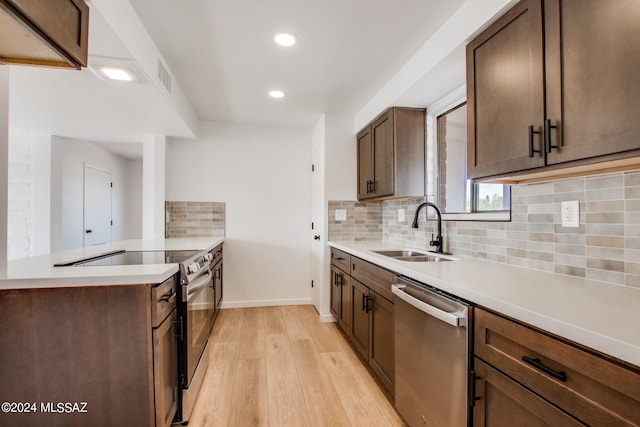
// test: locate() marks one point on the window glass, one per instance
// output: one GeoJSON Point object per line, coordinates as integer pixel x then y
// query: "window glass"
{"type": "Point", "coordinates": [456, 193]}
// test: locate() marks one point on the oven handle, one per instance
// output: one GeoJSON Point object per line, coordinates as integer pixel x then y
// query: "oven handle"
{"type": "Point", "coordinates": [200, 283]}
{"type": "Point", "coordinates": [457, 319]}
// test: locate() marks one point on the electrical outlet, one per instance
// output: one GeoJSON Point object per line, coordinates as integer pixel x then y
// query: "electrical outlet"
{"type": "Point", "coordinates": [341, 214]}
{"type": "Point", "coordinates": [400, 215]}
{"type": "Point", "coordinates": [571, 213]}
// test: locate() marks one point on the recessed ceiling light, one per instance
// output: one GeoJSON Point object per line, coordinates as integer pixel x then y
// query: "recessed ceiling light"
{"type": "Point", "coordinates": [276, 94]}
{"type": "Point", "coordinates": [285, 39]}
{"type": "Point", "coordinates": [118, 69]}
{"type": "Point", "coordinates": [116, 74]}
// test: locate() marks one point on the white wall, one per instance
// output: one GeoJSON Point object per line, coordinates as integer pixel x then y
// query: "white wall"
{"type": "Point", "coordinates": [153, 186]}
{"type": "Point", "coordinates": [341, 158]}
{"type": "Point", "coordinates": [4, 164]}
{"type": "Point", "coordinates": [67, 170]}
{"type": "Point", "coordinates": [29, 194]}
{"type": "Point", "coordinates": [21, 195]}
{"type": "Point", "coordinates": [263, 175]}
{"type": "Point", "coordinates": [134, 199]}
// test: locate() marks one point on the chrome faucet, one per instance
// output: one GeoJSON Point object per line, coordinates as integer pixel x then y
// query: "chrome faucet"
{"type": "Point", "coordinates": [437, 241]}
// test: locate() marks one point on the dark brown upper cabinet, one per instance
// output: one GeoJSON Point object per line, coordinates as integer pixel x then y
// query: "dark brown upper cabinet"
{"type": "Point", "coordinates": [44, 33]}
{"type": "Point", "coordinates": [553, 84]}
{"type": "Point", "coordinates": [391, 155]}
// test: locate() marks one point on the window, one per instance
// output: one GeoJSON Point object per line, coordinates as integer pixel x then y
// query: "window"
{"type": "Point", "coordinates": [457, 196]}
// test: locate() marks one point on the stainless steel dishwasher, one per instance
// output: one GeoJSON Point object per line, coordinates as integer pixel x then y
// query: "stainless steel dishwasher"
{"type": "Point", "coordinates": [432, 353]}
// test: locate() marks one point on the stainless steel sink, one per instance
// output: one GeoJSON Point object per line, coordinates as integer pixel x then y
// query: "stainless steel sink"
{"type": "Point", "coordinates": [412, 256]}
{"type": "Point", "coordinates": [398, 254]}
{"type": "Point", "coordinates": [425, 258]}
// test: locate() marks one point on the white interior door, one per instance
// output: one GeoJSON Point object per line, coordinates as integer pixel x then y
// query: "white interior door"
{"type": "Point", "coordinates": [318, 237]}
{"type": "Point", "coordinates": [97, 206]}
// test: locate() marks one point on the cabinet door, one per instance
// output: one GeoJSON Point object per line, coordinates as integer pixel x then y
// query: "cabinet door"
{"type": "Point", "coordinates": [341, 298]}
{"type": "Point", "coordinates": [165, 370]}
{"type": "Point", "coordinates": [500, 401]}
{"type": "Point", "coordinates": [505, 94]}
{"type": "Point", "coordinates": [381, 353]}
{"type": "Point", "coordinates": [335, 293]}
{"type": "Point", "coordinates": [365, 165]}
{"type": "Point", "coordinates": [593, 83]}
{"type": "Point", "coordinates": [360, 319]}
{"type": "Point", "coordinates": [346, 307]}
{"type": "Point", "coordinates": [382, 134]}
{"type": "Point", "coordinates": [64, 24]}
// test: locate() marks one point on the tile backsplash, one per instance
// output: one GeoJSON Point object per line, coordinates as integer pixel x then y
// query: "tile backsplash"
{"type": "Point", "coordinates": [194, 219]}
{"type": "Point", "coordinates": [605, 247]}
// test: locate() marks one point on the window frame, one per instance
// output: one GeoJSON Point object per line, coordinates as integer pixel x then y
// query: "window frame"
{"type": "Point", "coordinates": [436, 109]}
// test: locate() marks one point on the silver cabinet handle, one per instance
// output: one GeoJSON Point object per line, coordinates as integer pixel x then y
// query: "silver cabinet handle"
{"type": "Point", "coordinates": [457, 319]}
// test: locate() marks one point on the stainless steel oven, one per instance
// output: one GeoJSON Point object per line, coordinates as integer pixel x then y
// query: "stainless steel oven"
{"type": "Point", "coordinates": [196, 311]}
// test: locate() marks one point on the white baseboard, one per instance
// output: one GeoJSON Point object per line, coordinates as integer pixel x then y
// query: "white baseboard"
{"type": "Point", "coordinates": [327, 318]}
{"type": "Point", "coordinates": [265, 303]}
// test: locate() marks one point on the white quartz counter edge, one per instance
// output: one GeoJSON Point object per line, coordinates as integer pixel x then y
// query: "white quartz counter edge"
{"type": "Point", "coordinates": [598, 315]}
{"type": "Point", "coordinates": [39, 272]}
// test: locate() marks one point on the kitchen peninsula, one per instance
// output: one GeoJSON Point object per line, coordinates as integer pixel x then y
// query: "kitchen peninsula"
{"type": "Point", "coordinates": [39, 271]}
{"type": "Point", "coordinates": [94, 345]}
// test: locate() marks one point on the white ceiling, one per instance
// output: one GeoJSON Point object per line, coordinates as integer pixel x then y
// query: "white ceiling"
{"type": "Point", "coordinates": [222, 57]}
{"type": "Point", "coordinates": [78, 104]}
{"type": "Point", "coordinates": [222, 52]}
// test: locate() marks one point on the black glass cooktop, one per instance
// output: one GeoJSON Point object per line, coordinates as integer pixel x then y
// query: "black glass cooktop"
{"type": "Point", "coordinates": [134, 258]}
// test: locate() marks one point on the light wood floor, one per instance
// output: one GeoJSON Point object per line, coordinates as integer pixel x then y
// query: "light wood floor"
{"type": "Point", "coordinates": [280, 366]}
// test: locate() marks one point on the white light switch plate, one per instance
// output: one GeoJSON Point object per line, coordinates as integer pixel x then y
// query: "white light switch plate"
{"type": "Point", "coordinates": [400, 215]}
{"type": "Point", "coordinates": [341, 214]}
{"type": "Point", "coordinates": [571, 213]}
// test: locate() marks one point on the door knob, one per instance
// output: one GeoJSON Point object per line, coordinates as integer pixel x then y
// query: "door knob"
{"type": "Point", "coordinates": [88, 231]}
{"type": "Point", "coordinates": [316, 237]}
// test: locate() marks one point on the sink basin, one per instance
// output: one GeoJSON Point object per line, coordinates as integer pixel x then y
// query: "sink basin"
{"type": "Point", "coordinates": [425, 258]}
{"type": "Point", "coordinates": [412, 256]}
{"type": "Point", "coordinates": [401, 254]}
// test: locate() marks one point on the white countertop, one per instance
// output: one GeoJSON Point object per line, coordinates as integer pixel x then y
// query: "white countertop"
{"type": "Point", "coordinates": [598, 315]}
{"type": "Point", "coordinates": [39, 272]}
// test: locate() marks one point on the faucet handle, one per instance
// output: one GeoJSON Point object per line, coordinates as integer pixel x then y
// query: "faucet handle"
{"type": "Point", "coordinates": [436, 241]}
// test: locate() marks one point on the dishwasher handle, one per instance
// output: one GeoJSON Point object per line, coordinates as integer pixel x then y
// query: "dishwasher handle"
{"type": "Point", "coordinates": [457, 319]}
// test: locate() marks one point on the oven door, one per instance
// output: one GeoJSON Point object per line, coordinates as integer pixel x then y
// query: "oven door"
{"type": "Point", "coordinates": [200, 306]}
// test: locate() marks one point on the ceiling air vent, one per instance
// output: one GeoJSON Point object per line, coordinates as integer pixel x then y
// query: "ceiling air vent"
{"type": "Point", "coordinates": [164, 76]}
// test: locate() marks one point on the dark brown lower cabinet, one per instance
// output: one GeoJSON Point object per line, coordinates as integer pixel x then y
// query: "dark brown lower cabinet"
{"type": "Point", "coordinates": [502, 402]}
{"type": "Point", "coordinates": [360, 323]}
{"type": "Point", "coordinates": [538, 378]}
{"type": "Point", "coordinates": [334, 306]}
{"type": "Point", "coordinates": [165, 367]}
{"type": "Point", "coordinates": [365, 313]}
{"type": "Point", "coordinates": [341, 297]}
{"type": "Point", "coordinates": [89, 356]}
{"type": "Point", "coordinates": [381, 353]}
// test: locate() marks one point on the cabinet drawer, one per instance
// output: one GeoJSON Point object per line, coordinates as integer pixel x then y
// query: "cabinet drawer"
{"type": "Point", "coordinates": [595, 390]}
{"type": "Point", "coordinates": [499, 401]}
{"type": "Point", "coordinates": [372, 276]}
{"type": "Point", "coordinates": [163, 300]}
{"type": "Point", "coordinates": [342, 260]}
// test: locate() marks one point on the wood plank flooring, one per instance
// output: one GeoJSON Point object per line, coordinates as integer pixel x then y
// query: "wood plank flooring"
{"type": "Point", "coordinates": [280, 366]}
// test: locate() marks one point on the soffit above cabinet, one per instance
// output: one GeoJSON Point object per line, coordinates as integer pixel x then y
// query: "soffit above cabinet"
{"type": "Point", "coordinates": [44, 33]}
